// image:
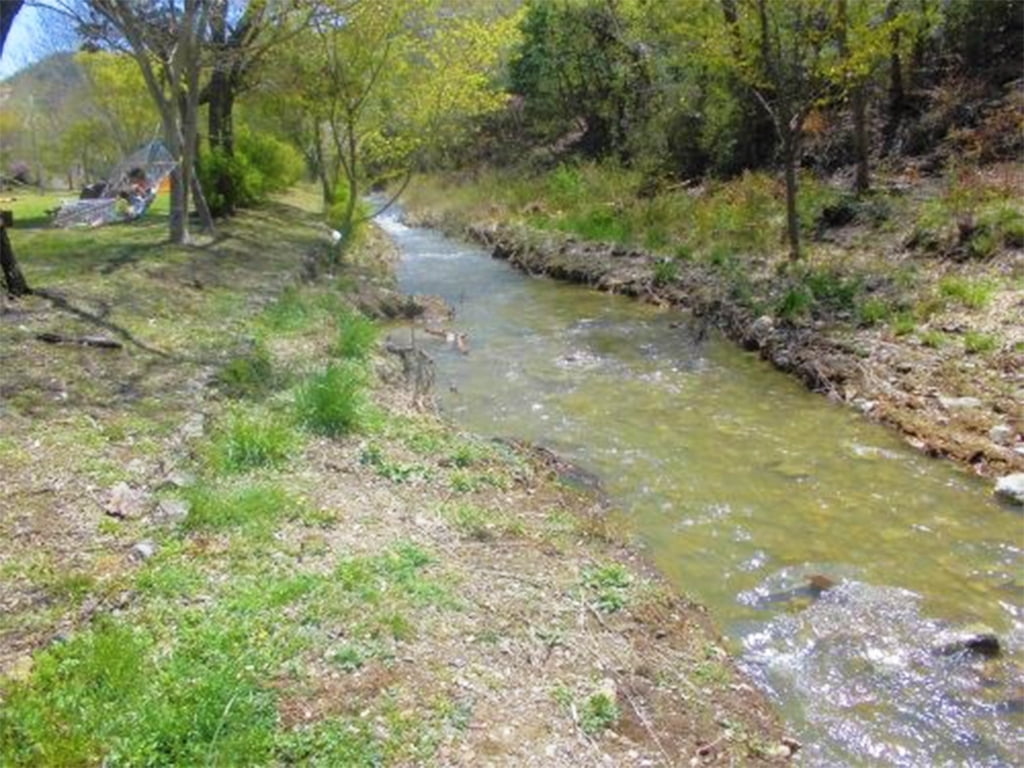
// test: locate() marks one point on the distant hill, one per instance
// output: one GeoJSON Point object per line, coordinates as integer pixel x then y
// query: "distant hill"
{"type": "Point", "coordinates": [48, 83]}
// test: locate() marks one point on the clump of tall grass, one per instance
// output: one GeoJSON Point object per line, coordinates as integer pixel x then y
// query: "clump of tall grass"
{"type": "Point", "coordinates": [251, 440]}
{"type": "Point", "coordinates": [356, 336]}
{"type": "Point", "coordinates": [332, 402]}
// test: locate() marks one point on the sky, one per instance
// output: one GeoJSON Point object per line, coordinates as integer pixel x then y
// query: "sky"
{"type": "Point", "coordinates": [29, 40]}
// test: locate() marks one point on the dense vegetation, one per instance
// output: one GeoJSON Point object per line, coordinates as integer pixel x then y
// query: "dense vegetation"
{"type": "Point", "coordinates": [366, 92]}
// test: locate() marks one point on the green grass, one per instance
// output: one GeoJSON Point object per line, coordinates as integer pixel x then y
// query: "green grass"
{"type": "Point", "coordinates": [249, 375]}
{"type": "Point", "coordinates": [332, 402]}
{"type": "Point", "coordinates": [249, 440]}
{"type": "Point", "coordinates": [975, 294]}
{"type": "Point", "coordinates": [111, 695]}
{"type": "Point", "coordinates": [356, 336]}
{"type": "Point", "coordinates": [289, 313]}
{"type": "Point", "coordinates": [976, 342]}
{"type": "Point", "coordinates": [256, 506]}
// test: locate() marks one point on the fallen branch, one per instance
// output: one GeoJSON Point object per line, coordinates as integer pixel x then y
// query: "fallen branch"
{"type": "Point", "coordinates": [85, 341]}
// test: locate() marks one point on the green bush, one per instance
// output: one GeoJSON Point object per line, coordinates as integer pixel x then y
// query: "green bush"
{"type": "Point", "coordinates": [259, 166]}
{"type": "Point", "coordinates": [332, 402]}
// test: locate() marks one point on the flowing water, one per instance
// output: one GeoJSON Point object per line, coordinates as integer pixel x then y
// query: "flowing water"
{"type": "Point", "coordinates": [740, 485]}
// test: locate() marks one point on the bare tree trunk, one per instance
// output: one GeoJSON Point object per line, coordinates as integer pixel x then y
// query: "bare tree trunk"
{"type": "Point", "coordinates": [789, 151]}
{"type": "Point", "coordinates": [858, 104]}
{"type": "Point", "coordinates": [13, 279]}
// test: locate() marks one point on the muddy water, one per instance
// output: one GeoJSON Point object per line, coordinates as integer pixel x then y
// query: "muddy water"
{"type": "Point", "coordinates": [740, 484]}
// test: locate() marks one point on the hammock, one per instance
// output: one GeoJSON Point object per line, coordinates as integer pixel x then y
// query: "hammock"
{"type": "Point", "coordinates": [126, 195]}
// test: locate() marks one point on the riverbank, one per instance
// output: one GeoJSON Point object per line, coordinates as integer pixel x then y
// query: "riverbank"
{"type": "Point", "coordinates": [928, 341]}
{"type": "Point", "coordinates": [236, 534]}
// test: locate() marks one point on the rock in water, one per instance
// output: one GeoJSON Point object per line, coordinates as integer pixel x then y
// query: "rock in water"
{"type": "Point", "coordinates": [1011, 488]}
{"type": "Point", "coordinates": [980, 640]}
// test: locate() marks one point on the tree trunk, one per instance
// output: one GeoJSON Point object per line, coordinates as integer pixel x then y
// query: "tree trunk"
{"type": "Point", "coordinates": [897, 95]}
{"type": "Point", "coordinates": [221, 106]}
{"type": "Point", "coordinates": [179, 207]}
{"type": "Point", "coordinates": [13, 279]}
{"type": "Point", "coordinates": [858, 104]}
{"type": "Point", "coordinates": [789, 150]}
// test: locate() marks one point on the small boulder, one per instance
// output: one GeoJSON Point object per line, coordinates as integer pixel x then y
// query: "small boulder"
{"type": "Point", "coordinates": [125, 502]}
{"type": "Point", "coordinates": [1001, 434]}
{"type": "Point", "coordinates": [170, 512]}
{"type": "Point", "coordinates": [1011, 488]}
{"type": "Point", "coordinates": [142, 551]}
{"type": "Point", "coordinates": [959, 403]}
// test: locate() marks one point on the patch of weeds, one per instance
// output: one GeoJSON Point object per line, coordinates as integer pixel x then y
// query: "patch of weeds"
{"type": "Point", "coordinates": [975, 294]}
{"type": "Point", "coordinates": [102, 697]}
{"type": "Point", "coordinates": [476, 523]}
{"type": "Point", "coordinates": [397, 472]}
{"type": "Point", "coordinates": [254, 506]}
{"type": "Point", "coordinates": [397, 573]}
{"type": "Point", "coordinates": [609, 585]}
{"type": "Point", "coordinates": [933, 339]}
{"type": "Point", "coordinates": [288, 313]}
{"type": "Point", "coordinates": [665, 271]}
{"type": "Point", "coordinates": [598, 713]}
{"type": "Point", "coordinates": [251, 440]}
{"type": "Point", "coordinates": [168, 576]}
{"type": "Point", "coordinates": [872, 312]}
{"type": "Point", "coordinates": [464, 481]}
{"type": "Point", "coordinates": [795, 303]}
{"type": "Point", "coordinates": [250, 375]}
{"type": "Point", "coordinates": [601, 224]}
{"type": "Point", "coordinates": [349, 657]}
{"type": "Point", "coordinates": [684, 253]}
{"type": "Point", "coordinates": [356, 336]}
{"type": "Point", "coordinates": [331, 403]}
{"type": "Point", "coordinates": [903, 324]}
{"type": "Point", "coordinates": [832, 288]}
{"type": "Point", "coordinates": [976, 342]}
{"type": "Point", "coordinates": [1007, 223]}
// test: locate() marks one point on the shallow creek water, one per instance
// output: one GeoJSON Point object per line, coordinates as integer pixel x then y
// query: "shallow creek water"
{"type": "Point", "coordinates": [740, 484]}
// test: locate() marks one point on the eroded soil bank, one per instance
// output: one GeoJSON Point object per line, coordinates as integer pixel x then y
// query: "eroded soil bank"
{"type": "Point", "coordinates": [944, 402]}
{"type": "Point", "coordinates": [191, 573]}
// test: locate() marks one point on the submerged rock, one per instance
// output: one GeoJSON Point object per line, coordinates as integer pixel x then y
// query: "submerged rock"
{"type": "Point", "coordinates": [1011, 488]}
{"type": "Point", "coordinates": [979, 640]}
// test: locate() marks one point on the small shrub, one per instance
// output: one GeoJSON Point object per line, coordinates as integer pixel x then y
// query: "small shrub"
{"type": "Point", "coordinates": [599, 712]}
{"type": "Point", "coordinates": [250, 440]}
{"type": "Point", "coordinates": [331, 403]}
{"type": "Point", "coordinates": [356, 336]}
{"type": "Point", "coordinates": [978, 343]}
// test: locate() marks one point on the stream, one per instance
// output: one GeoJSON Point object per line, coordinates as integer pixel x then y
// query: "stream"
{"type": "Point", "coordinates": [739, 485]}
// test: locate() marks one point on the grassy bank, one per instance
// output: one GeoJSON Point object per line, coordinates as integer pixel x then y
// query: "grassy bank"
{"type": "Point", "coordinates": [235, 540]}
{"type": "Point", "coordinates": [920, 283]}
